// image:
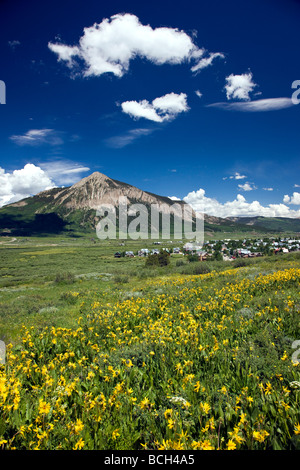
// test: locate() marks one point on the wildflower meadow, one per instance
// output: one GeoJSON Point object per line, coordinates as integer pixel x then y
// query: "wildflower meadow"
{"type": "Point", "coordinates": [201, 362]}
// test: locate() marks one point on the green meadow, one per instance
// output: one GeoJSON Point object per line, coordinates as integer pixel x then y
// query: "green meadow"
{"type": "Point", "coordinates": [111, 353]}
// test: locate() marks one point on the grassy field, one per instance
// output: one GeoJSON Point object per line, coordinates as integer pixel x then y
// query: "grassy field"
{"type": "Point", "coordinates": [106, 353]}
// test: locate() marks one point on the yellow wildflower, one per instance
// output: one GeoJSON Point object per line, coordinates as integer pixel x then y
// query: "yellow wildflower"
{"type": "Point", "coordinates": [79, 445]}
{"type": "Point", "coordinates": [205, 407]}
{"type": "Point", "coordinates": [115, 434]}
{"type": "Point", "coordinates": [231, 445]}
{"type": "Point", "coordinates": [78, 426]}
{"type": "Point", "coordinates": [44, 407]}
{"type": "Point", "coordinates": [297, 428]}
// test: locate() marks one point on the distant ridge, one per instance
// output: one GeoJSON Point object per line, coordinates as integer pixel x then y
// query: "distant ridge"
{"type": "Point", "coordinates": [73, 209]}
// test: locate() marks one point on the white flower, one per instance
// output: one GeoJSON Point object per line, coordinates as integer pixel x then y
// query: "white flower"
{"type": "Point", "coordinates": [178, 400]}
{"type": "Point", "coordinates": [295, 384]}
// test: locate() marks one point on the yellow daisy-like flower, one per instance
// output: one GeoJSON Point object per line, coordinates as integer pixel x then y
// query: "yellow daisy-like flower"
{"type": "Point", "coordinates": [79, 445]}
{"type": "Point", "coordinates": [205, 407]}
{"type": "Point", "coordinates": [297, 428]}
{"type": "Point", "coordinates": [144, 403]}
{"type": "Point", "coordinates": [171, 423]}
{"type": "Point", "coordinates": [44, 407]}
{"type": "Point", "coordinates": [206, 445]}
{"type": "Point", "coordinates": [231, 445]}
{"type": "Point", "coordinates": [115, 434]}
{"type": "Point", "coordinates": [78, 426]}
{"type": "Point", "coordinates": [168, 413]}
{"type": "Point", "coordinates": [197, 386]}
{"type": "Point", "coordinates": [260, 435]}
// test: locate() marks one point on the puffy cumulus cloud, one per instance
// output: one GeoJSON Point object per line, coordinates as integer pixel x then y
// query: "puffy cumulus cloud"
{"type": "Point", "coordinates": [294, 199]}
{"type": "Point", "coordinates": [263, 105]}
{"type": "Point", "coordinates": [247, 187]}
{"type": "Point", "coordinates": [23, 183]}
{"type": "Point", "coordinates": [109, 46]}
{"type": "Point", "coordinates": [239, 207]}
{"type": "Point", "coordinates": [161, 109]}
{"type": "Point", "coordinates": [239, 86]}
{"type": "Point", "coordinates": [35, 137]}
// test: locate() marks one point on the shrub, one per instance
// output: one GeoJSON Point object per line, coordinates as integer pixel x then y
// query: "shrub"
{"type": "Point", "coordinates": [65, 278]}
{"type": "Point", "coordinates": [193, 258]}
{"type": "Point", "coordinates": [121, 279]}
{"type": "Point", "coordinates": [239, 263]}
{"type": "Point", "coordinates": [160, 259]}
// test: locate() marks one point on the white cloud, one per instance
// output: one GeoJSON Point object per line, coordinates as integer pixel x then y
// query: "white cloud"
{"type": "Point", "coordinates": [161, 109]}
{"type": "Point", "coordinates": [268, 104]}
{"type": "Point", "coordinates": [239, 207]}
{"type": "Point", "coordinates": [35, 137]}
{"type": "Point", "coordinates": [296, 185]}
{"type": "Point", "coordinates": [109, 46]}
{"type": "Point", "coordinates": [207, 61]}
{"type": "Point", "coordinates": [120, 141]}
{"type": "Point", "coordinates": [247, 187]}
{"type": "Point", "coordinates": [268, 189]}
{"type": "Point", "coordinates": [23, 183]}
{"type": "Point", "coordinates": [63, 172]}
{"type": "Point", "coordinates": [13, 44]}
{"type": "Point", "coordinates": [198, 93]}
{"type": "Point", "coordinates": [237, 176]}
{"type": "Point", "coordinates": [174, 198]}
{"type": "Point", "coordinates": [294, 199]}
{"type": "Point", "coordinates": [141, 109]}
{"type": "Point", "coordinates": [239, 86]}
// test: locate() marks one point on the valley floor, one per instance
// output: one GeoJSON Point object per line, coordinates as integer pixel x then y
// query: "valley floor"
{"type": "Point", "coordinates": [106, 353]}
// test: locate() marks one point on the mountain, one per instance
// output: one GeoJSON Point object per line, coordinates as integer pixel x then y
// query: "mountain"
{"type": "Point", "coordinates": [269, 224]}
{"type": "Point", "coordinates": [73, 210]}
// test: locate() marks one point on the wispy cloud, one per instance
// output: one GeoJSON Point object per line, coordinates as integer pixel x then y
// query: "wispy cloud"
{"type": "Point", "coordinates": [122, 140]}
{"type": "Point", "coordinates": [207, 61]}
{"type": "Point", "coordinates": [63, 172]}
{"type": "Point", "coordinates": [236, 176]}
{"type": "Point", "coordinates": [35, 137]}
{"type": "Point", "coordinates": [268, 104]}
{"type": "Point", "coordinates": [13, 44]}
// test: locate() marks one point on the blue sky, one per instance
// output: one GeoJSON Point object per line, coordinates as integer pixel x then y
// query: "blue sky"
{"type": "Point", "coordinates": [190, 100]}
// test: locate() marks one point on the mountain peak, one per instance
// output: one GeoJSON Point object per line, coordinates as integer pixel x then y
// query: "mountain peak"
{"type": "Point", "coordinates": [95, 177]}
